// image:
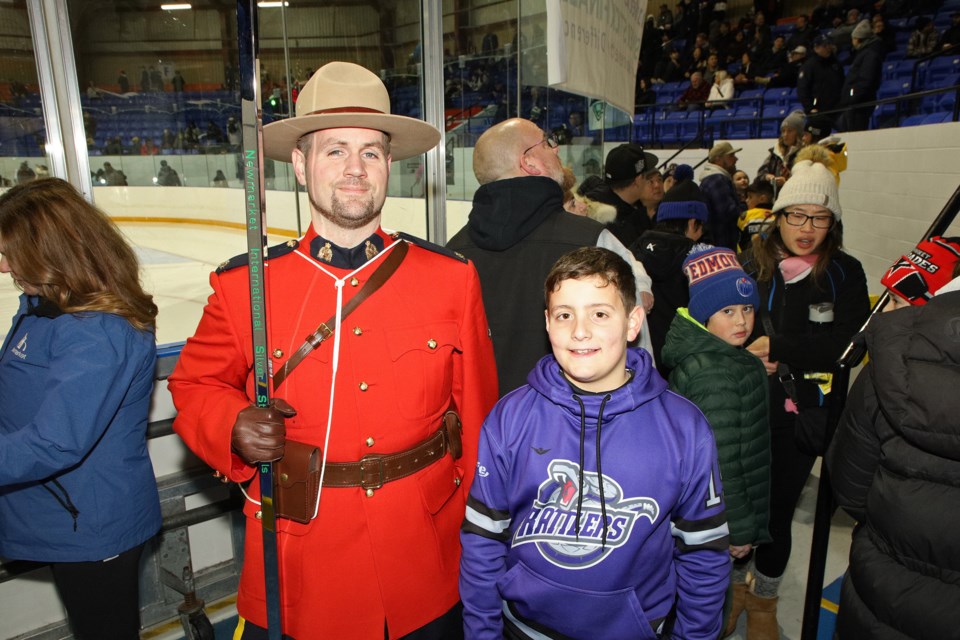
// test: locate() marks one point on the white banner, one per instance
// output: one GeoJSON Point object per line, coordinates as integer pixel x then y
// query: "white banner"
{"type": "Point", "coordinates": [593, 47]}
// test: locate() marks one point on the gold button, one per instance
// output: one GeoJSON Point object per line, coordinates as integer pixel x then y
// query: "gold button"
{"type": "Point", "coordinates": [283, 477]}
{"type": "Point", "coordinates": [354, 282]}
{"type": "Point", "coordinates": [277, 353]}
{"type": "Point", "coordinates": [291, 243]}
{"type": "Point", "coordinates": [364, 386]}
{"type": "Point", "coordinates": [370, 442]}
{"type": "Point", "coordinates": [258, 515]}
{"type": "Point", "coordinates": [369, 493]}
{"type": "Point", "coordinates": [456, 481]}
{"type": "Point", "coordinates": [357, 331]}
{"type": "Point", "coordinates": [432, 343]}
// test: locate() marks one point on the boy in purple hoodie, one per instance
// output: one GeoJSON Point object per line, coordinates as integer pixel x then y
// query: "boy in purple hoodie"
{"type": "Point", "coordinates": [596, 510]}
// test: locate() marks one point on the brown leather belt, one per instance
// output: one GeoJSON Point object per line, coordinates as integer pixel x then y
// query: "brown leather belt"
{"type": "Point", "coordinates": [375, 470]}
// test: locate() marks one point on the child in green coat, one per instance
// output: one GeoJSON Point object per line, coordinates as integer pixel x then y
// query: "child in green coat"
{"type": "Point", "coordinates": [729, 384]}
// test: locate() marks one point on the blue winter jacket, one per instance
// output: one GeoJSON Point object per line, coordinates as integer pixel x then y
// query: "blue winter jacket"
{"type": "Point", "coordinates": [546, 551]}
{"type": "Point", "coordinates": [76, 483]}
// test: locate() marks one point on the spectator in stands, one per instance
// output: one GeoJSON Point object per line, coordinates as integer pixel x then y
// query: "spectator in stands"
{"type": "Point", "coordinates": [746, 73]}
{"type": "Point", "coordinates": [518, 228]}
{"type": "Point", "coordinates": [696, 64]}
{"type": "Point", "coordinates": [740, 182]}
{"type": "Point", "coordinates": [821, 78]}
{"type": "Point", "coordinates": [124, 82]}
{"type": "Point", "coordinates": [148, 148]}
{"type": "Point", "coordinates": [776, 168]}
{"type": "Point", "coordinates": [25, 174]}
{"type": "Point", "coordinates": [798, 264]}
{"type": "Point", "coordinates": [92, 92]}
{"type": "Point", "coordinates": [760, 30]}
{"type": "Point", "coordinates": [156, 79]}
{"type": "Point", "coordinates": [645, 93]}
{"type": "Point", "coordinates": [863, 80]}
{"type": "Point", "coordinates": [776, 57]}
{"type": "Point", "coordinates": [674, 174]}
{"type": "Point", "coordinates": [699, 42]}
{"type": "Point", "coordinates": [802, 35]}
{"type": "Point", "coordinates": [894, 461]}
{"type": "Point", "coordinates": [951, 37]}
{"type": "Point", "coordinates": [721, 39]}
{"type": "Point", "coordinates": [670, 70]}
{"type": "Point", "coordinates": [631, 184]}
{"type": "Point", "coordinates": [886, 35]}
{"type": "Point", "coordinates": [144, 80]}
{"type": "Point", "coordinates": [89, 127]}
{"type": "Point", "coordinates": [177, 83]}
{"type": "Point", "coordinates": [114, 147]}
{"type": "Point", "coordinates": [923, 40]}
{"type": "Point", "coordinates": [735, 50]}
{"type": "Point", "coordinates": [490, 42]}
{"type": "Point", "coordinates": [828, 14]}
{"type": "Point", "coordinates": [665, 18]}
{"type": "Point", "coordinates": [721, 90]}
{"type": "Point", "coordinates": [168, 140]}
{"type": "Point", "coordinates": [168, 176]}
{"type": "Point", "coordinates": [111, 177]}
{"type": "Point", "coordinates": [662, 250]}
{"type": "Point", "coordinates": [574, 127]}
{"type": "Point", "coordinates": [711, 67]}
{"type": "Point", "coordinates": [788, 74]}
{"type": "Point", "coordinates": [191, 136]}
{"type": "Point", "coordinates": [220, 180]}
{"type": "Point", "coordinates": [723, 204]}
{"type": "Point", "coordinates": [843, 34]}
{"type": "Point", "coordinates": [234, 134]}
{"type": "Point", "coordinates": [695, 95]}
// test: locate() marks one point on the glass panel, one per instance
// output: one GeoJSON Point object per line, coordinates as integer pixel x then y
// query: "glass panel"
{"type": "Point", "coordinates": [22, 131]}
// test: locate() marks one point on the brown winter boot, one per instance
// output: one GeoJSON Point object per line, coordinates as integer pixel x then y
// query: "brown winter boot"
{"type": "Point", "coordinates": [761, 618]}
{"type": "Point", "coordinates": [736, 607]}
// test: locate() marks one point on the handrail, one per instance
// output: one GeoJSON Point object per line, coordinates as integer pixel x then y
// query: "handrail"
{"type": "Point", "coordinates": [927, 58]}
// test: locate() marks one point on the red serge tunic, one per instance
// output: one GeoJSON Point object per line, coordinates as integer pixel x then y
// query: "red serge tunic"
{"type": "Point", "coordinates": [405, 352]}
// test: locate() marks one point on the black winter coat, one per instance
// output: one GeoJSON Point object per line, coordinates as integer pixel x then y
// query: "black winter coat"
{"type": "Point", "coordinates": [820, 83]}
{"type": "Point", "coordinates": [866, 72]}
{"type": "Point", "coordinates": [895, 467]}
{"type": "Point", "coordinates": [517, 229]}
{"type": "Point", "coordinates": [800, 343]}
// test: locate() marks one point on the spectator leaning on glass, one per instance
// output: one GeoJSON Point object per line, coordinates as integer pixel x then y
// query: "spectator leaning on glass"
{"type": "Point", "coordinates": [77, 488]}
{"type": "Point", "coordinates": [813, 298]}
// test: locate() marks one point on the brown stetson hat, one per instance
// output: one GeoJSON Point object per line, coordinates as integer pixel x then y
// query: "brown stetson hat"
{"type": "Point", "coordinates": [343, 94]}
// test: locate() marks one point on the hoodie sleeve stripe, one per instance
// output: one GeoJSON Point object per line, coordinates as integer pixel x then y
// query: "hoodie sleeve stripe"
{"type": "Point", "coordinates": [708, 533]}
{"type": "Point", "coordinates": [488, 523]}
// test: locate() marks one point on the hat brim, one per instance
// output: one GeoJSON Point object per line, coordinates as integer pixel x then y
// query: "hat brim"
{"type": "Point", "coordinates": [409, 137]}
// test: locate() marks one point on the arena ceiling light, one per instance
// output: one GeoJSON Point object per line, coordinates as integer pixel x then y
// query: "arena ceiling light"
{"type": "Point", "coordinates": [272, 5]}
{"type": "Point", "coordinates": [176, 7]}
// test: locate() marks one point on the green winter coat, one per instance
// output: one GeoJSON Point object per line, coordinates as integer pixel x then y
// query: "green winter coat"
{"type": "Point", "coordinates": [730, 387]}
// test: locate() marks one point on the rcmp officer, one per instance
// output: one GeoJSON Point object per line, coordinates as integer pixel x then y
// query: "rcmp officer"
{"type": "Point", "coordinates": [380, 558]}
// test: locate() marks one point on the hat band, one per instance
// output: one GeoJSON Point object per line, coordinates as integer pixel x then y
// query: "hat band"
{"type": "Point", "coordinates": [345, 110]}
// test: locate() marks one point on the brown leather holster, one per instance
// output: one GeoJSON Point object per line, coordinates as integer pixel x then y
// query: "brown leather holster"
{"type": "Point", "coordinates": [297, 474]}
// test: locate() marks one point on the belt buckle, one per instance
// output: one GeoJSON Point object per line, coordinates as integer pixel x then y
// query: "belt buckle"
{"type": "Point", "coordinates": [376, 462]}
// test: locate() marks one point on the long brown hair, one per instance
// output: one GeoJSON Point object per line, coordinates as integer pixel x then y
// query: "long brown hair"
{"type": "Point", "coordinates": [72, 252]}
{"type": "Point", "coordinates": [769, 251]}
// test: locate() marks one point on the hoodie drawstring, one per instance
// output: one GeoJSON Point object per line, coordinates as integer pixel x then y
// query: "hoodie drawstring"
{"type": "Point", "coordinates": [603, 500]}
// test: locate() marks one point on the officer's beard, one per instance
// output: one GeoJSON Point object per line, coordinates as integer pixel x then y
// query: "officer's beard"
{"type": "Point", "coordinates": [353, 214]}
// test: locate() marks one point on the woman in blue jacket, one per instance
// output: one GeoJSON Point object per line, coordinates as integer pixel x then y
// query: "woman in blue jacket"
{"type": "Point", "coordinates": [77, 488]}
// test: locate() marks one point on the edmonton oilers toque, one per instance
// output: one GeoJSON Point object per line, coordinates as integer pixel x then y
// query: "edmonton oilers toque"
{"type": "Point", "coordinates": [681, 202]}
{"type": "Point", "coordinates": [716, 281]}
{"type": "Point", "coordinates": [918, 276]}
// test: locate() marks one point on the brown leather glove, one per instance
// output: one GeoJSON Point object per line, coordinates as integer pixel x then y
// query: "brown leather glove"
{"type": "Point", "coordinates": [259, 433]}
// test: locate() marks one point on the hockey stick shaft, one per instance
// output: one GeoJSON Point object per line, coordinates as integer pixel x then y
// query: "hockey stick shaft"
{"type": "Point", "coordinates": [255, 212]}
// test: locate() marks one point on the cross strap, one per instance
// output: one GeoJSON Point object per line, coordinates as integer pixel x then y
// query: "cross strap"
{"type": "Point", "coordinates": [326, 329]}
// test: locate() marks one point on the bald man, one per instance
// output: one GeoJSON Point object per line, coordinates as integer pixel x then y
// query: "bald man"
{"type": "Point", "coordinates": [517, 229]}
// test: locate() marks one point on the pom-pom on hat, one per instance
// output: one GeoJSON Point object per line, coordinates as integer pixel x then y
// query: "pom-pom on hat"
{"type": "Point", "coordinates": [716, 281]}
{"type": "Point", "coordinates": [683, 201]}
{"type": "Point", "coordinates": [918, 276]}
{"type": "Point", "coordinates": [811, 182]}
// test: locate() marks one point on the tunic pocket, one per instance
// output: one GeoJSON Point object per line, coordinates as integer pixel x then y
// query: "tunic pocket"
{"type": "Point", "coordinates": [423, 362]}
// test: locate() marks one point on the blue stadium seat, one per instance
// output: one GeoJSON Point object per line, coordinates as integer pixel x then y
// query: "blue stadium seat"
{"type": "Point", "coordinates": [744, 124]}
{"type": "Point", "coordinates": [938, 117]}
{"type": "Point", "coordinates": [779, 97]}
{"type": "Point", "coordinates": [716, 122]}
{"type": "Point", "coordinates": [772, 117]}
{"type": "Point", "coordinates": [756, 95]}
{"type": "Point", "coordinates": [912, 121]}
{"type": "Point", "coordinates": [668, 127]}
{"type": "Point", "coordinates": [940, 69]}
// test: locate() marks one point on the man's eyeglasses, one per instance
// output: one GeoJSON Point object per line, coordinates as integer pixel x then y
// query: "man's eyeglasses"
{"type": "Point", "coordinates": [551, 141]}
{"type": "Point", "coordinates": [797, 219]}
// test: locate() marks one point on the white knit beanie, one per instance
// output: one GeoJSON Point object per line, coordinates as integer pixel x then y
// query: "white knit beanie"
{"type": "Point", "coordinates": [810, 183]}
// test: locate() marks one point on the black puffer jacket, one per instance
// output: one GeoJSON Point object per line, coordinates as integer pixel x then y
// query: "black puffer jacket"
{"type": "Point", "coordinates": [895, 467]}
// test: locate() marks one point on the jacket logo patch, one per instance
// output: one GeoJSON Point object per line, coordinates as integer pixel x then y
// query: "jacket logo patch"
{"type": "Point", "coordinates": [21, 349]}
{"type": "Point", "coordinates": [552, 522]}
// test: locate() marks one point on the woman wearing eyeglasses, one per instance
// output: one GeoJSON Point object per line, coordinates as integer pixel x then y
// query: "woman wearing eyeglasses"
{"type": "Point", "coordinates": [77, 488]}
{"type": "Point", "coordinates": [813, 299]}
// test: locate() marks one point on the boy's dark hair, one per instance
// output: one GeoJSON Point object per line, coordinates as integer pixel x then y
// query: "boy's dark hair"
{"type": "Point", "coordinates": [593, 261]}
{"type": "Point", "coordinates": [763, 189]}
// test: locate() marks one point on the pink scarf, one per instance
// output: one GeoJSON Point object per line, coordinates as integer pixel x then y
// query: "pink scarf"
{"type": "Point", "coordinates": [796, 268]}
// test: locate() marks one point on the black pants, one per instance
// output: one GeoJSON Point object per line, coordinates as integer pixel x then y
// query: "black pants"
{"type": "Point", "coordinates": [102, 598]}
{"type": "Point", "coordinates": [449, 626]}
{"type": "Point", "coordinates": [789, 469]}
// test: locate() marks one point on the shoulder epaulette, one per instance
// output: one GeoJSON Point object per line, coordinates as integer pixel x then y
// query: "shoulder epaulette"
{"type": "Point", "coordinates": [272, 252]}
{"type": "Point", "coordinates": [429, 246]}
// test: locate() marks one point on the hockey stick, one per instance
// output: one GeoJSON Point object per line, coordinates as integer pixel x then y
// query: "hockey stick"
{"type": "Point", "coordinates": [255, 212]}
